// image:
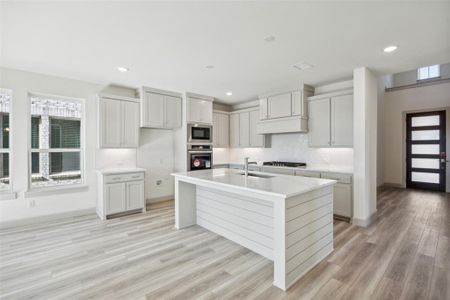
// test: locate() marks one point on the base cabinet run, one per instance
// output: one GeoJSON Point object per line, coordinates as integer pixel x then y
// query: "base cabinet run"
{"type": "Point", "coordinates": [119, 193]}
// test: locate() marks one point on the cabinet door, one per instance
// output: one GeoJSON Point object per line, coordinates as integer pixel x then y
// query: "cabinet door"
{"type": "Point", "coordinates": [221, 125]}
{"type": "Point", "coordinates": [297, 104]}
{"type": "Point", "coordinates": [256, 140]}
{"type": "Point", "coordinates": [110, 123]}
{"type": "Point", "coordinates": [115, 197]}
{"type": "Point", "coordinates": [263, 109]}
{"type": "Point", "coordinates": [153, 113]}
{"type": "Point", "coordinates": [342, 121]}
{"type": "Point", "coordinates": [234, 130]}
{"type": "Point", "coordinates": [342, 202]}
{"type": "Point", "coordinates": [172, 112]}
{"type": "Point", "coordinates": [199, 111]}
{"type": "Point", "coordinates": [244, 129]}
{"type": "Point", "coordinates": [207, 112]}
{"type": "Point", "coordinates": [130, 124]}
{"type": "Point", "coordinates": [135, 195]}
{"type": "Point", "coordinates": [279, 106]}
{"type": "Point", "coordinates": [319, 123]}
{"type": "Point", "coordinates": [225, 130]}
{"type": "Point", "coordinates": [216, 129]}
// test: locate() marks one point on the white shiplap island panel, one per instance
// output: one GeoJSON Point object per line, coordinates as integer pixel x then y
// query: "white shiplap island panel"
{"type": "Point", "coordinates": [284, 218]}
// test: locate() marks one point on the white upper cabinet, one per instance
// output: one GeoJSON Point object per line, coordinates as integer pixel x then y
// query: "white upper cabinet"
{"type": "Point", "coordinates": [342, 121]}
{"type": "Point", "coordinates": [263, 109]}
{"type": "Point", "coordinates": [130, 128]}
{"type": "Point", "coordinates": [160, 109]}
{"type": "Point", "coordinates": [285, 112]}
{"type": "Point", "coordinates": [298, 107]}
{"type": "Point", "coordinates": [109, 126]}
{"type": "Point", "coordinates": [221, 129]}
{"type": "Point", "coordinates": [118, 122]}
{"type": "Point", "coordinates": [199, 110]}
{"type": "Point", "coordinates": [172, 112]}
{"type": "Point", "coordinates": [331, 120]}
{"type": "Point", "coordinates": [319, 123]}
{"type": "Point", "coordinates": [279, 106]}
{"type": "Point", "coordinates": [234, 130]}
{"type": "Point", "coordinates": [244, 129]}
{"type": "Point", "coordinates": [256, 140]}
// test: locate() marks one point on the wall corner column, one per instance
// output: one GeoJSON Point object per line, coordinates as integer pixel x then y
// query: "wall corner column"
{"type": "Point", "coordinates": [365, 146]}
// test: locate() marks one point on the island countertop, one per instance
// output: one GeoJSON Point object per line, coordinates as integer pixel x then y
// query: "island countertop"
{"type": "Point", "coordinates": [284, 186]}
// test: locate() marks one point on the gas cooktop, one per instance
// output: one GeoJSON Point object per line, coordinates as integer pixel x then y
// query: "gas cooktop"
{"type": "Point", "coordinates": [284, 164]}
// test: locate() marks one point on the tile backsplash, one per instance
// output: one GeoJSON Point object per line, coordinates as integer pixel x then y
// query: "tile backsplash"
{"type": "Point", "coordinates": [288, 147]}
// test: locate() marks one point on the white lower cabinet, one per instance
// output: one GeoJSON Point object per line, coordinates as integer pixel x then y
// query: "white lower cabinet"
{"type": "Point", "coordinates": [343, 190]}
{"type": "Point", "coordinates": [114, 198]}
{"type": "Point", "coordinates": [342, 200]}
{"type": "Point", "coordinates": [120, 192]}
{"type": "Point", "coordinates": [135, 194]}
{"type": "Point", "coordinates": [343, 193]}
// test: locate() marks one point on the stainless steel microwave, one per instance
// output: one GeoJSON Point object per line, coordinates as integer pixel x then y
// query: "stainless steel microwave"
{"type": "Point", "coordinates": [200, 134]}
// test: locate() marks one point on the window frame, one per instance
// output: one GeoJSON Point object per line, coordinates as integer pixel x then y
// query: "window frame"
{"type": "Point", "coordinates": [82, 150]}
{"type": "Point", "coordinates": [6, 194]}
{"type": "Point", "coordinates": [428, 69]}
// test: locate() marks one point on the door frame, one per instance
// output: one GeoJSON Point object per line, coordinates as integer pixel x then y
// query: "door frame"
{"type": "Point", "coordinates": [404, 157]}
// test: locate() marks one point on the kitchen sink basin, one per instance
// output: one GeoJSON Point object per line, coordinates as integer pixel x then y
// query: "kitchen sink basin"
{"type": "Point", "coordinates": [250, 174]}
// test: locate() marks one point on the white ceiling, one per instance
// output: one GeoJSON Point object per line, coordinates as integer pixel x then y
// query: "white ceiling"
{"type": "Point", "coordinates": [167, 45]}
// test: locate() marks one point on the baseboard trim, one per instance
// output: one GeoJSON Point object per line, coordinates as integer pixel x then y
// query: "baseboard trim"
{"type": "Point", "coordinates": [160, 199]}
{"type": "Point", "coordinates": [365, 222]}
{"type": "Point", "coordinates": [46, 218]}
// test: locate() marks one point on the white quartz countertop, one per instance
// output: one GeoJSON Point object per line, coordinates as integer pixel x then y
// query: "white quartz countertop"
{"type": "Point", "coordinates": [278, 185]}
{"type": "Point", "coordinates": [120, 171]}
{"type": "Point", "coordinates": [312, 168]}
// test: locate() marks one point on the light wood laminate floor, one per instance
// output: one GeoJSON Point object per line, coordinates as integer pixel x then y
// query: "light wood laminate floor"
{"type": "Point", "coordinates": [405, 254]}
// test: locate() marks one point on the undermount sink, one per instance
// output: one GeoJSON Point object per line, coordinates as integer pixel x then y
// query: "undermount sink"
{"type": "Point", "coordinates": [256, 175]}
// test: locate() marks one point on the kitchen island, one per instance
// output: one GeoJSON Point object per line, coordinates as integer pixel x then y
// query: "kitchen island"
{"type": "Point", "coordinates": [286, 219]}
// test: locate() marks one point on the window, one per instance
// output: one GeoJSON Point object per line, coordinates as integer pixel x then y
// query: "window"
{"type": "Point", "coordinates": [56, 147]}
{"type": "Point", "coordinates": [5, 106]}
{"type": "Point", "coordinates": [428, 72]}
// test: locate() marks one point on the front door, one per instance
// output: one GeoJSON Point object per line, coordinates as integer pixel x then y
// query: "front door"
{"type": "Point", "coordinates": [425, 150]}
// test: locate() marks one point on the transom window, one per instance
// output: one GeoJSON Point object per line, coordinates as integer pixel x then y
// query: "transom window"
{"type": "Point", "coordinates": [428, 72]}
{"type": "Point", "coordinates": [56, 147]}
{"type": "Point", "coordinates": [5, 107]}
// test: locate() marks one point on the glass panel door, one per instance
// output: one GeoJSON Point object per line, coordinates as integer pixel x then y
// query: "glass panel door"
{"type": "Point", "coordinates": [425, 150]}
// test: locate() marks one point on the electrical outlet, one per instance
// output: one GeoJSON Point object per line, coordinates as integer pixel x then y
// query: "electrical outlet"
{"type": "Point", "coordinates": [158, 182]}
{"type": "Point", "coordinates": [31, 203]}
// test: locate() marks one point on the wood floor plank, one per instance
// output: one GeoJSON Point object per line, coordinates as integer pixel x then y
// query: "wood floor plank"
{"type": "Point", "coordinates": [404, 253]}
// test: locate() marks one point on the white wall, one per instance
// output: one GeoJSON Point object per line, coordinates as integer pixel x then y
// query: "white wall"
{"type": "Point", "coordinates": [396, 104]}
{"type": "Point", "coordinates": [21, 83]}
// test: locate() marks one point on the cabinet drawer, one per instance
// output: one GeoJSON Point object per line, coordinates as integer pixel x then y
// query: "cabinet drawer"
{"type": "Point", "coordinates": [124, 177]}
{"type": "Point", "coordinates": [238, 167]}
{"type": "Point", "coordinates": [307, 174]}
{"type": "Point", "coordinates": [341, 178]}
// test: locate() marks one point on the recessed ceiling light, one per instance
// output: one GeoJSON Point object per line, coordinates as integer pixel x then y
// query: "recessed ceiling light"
{"type": "Point", "coordinates": [302, 66]}
{"type": "Point", "coordinates": [122, 69]}
{"type": "Point", "coordinates": [229, 93]}
{"type": "Point", "coordinates": [209, 67]}
{"type": "Point", "coordinates": [390, 49]}
{"type": "Point", "coordinates": [269, 38]}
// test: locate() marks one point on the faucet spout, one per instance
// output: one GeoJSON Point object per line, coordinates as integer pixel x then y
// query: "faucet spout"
{"type": "Point", "coordinates": [246, 166]}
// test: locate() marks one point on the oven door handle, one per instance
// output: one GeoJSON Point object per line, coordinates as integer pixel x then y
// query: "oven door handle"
{"type": "Point", "coordinates": [199, 151]}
